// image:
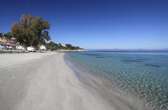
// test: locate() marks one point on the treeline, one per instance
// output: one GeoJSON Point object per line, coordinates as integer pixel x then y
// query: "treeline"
{"type": "Point", "coordinates": [34, 31]}
{"type": "Point", "coordinates": [55, 46]}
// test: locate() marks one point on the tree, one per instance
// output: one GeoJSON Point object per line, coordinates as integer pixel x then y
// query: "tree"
{"type": "Point", "coordinates": [71, 47]}
{"type": "Point", "coordinates": [60, 46]}
{"type": "Point", "coordinates": [28, 31]}
{"type": "Point", "coordinates": [1, 34]}
{"type": "Point", "coordinates": [45, 36]}
{"type": "Point", "coordinates": [52, 46]}
{"type": "Point", "coordinates": [8, 35]}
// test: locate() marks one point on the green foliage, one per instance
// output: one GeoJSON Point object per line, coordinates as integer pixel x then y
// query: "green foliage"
{"type": "Point", "coordinates": [1, 34]}
{"type": "Point", "coordinates": [45, 37]}
{"type": "Point", "coordinates": [8, 35]}
{"type": "Point", "coordinates": [70, 47]}
{"type": "Point", "coordinates": [29, 30]}
{"type": "Point", "coordinates": [33, 31]}
{"type": "Point", "coordinates": [60, 46]}
{"type": "Point", "coordinates": [52, 46]}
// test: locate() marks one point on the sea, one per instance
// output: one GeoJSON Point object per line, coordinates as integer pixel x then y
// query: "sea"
{"type": "Point", "coordinates": [143, 74]}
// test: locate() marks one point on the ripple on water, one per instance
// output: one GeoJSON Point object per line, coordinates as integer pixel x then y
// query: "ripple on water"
{"type": "Point", "coordinates": [153, 65]}
{"type": "Point", "coordinates": [146, 76]}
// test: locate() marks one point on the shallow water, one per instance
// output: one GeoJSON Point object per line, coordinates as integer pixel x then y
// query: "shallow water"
{"type": "Point", "coordinates": [143, 74]}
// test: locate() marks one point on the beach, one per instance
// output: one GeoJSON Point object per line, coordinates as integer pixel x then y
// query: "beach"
{"type": "Point", "coordinates": [44, 81]}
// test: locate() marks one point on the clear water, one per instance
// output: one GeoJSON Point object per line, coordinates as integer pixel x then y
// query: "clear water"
{"type": "Point", "coordinates": [143, 74]}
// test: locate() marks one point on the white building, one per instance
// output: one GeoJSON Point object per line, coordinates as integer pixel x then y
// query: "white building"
{"type": "Point", "coordinates": [19, 47]}
{"type": "Point", "coordinates": [43, 47]}
{"type": "Point", "coordinates": [31, 49]}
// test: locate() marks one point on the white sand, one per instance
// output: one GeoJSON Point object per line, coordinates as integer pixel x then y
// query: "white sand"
{"type": "Point", "coordinates": [15, 58]}
{"type": "Point", "coordinates": [44, 82]}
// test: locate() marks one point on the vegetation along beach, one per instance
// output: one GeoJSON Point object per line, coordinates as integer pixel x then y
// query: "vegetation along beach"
{"type": "Point", "coordinates": [84, 55]}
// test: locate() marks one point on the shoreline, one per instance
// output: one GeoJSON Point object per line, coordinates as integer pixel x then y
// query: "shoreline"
{"type": "Point", "coordinates": [45, 82]}
{"type": "Point", "coordinates": [103, 86]}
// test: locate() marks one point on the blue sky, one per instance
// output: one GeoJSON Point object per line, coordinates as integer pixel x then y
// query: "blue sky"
{"type": "Point", "coordinates": [96, 24]}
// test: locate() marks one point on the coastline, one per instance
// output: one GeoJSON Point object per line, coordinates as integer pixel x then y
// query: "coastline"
{"type": "Point", "coordinates": [101, 85]}
{"type": "Point", "coordinates": [46, 82]}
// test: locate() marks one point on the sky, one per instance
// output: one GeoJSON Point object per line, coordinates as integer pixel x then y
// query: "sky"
{"type": "Point", "coordinates": [96, 24]}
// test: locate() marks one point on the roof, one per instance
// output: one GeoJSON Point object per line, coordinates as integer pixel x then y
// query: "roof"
{"type": "Point", "coordinates": [6, 42]}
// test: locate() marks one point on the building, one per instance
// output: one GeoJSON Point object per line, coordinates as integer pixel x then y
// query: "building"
{"type": "Point", "coordinates": [3, 41]}
{"type": "Point", "coordinates": [31, 49]}
{"type": "Point", "coordinates": [20, 47]}
{"type": "Point", "coordinates": [8, 43]}
{"type": "Point", "coordinates": [43, 48]}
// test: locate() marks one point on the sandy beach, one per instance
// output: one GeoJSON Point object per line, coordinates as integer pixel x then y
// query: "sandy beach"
{"type": "Point", "coordinates": [43, 81]}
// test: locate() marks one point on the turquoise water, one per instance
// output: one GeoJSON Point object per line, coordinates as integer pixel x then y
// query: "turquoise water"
{"type": "Point", "coordinates": [143, 74]}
